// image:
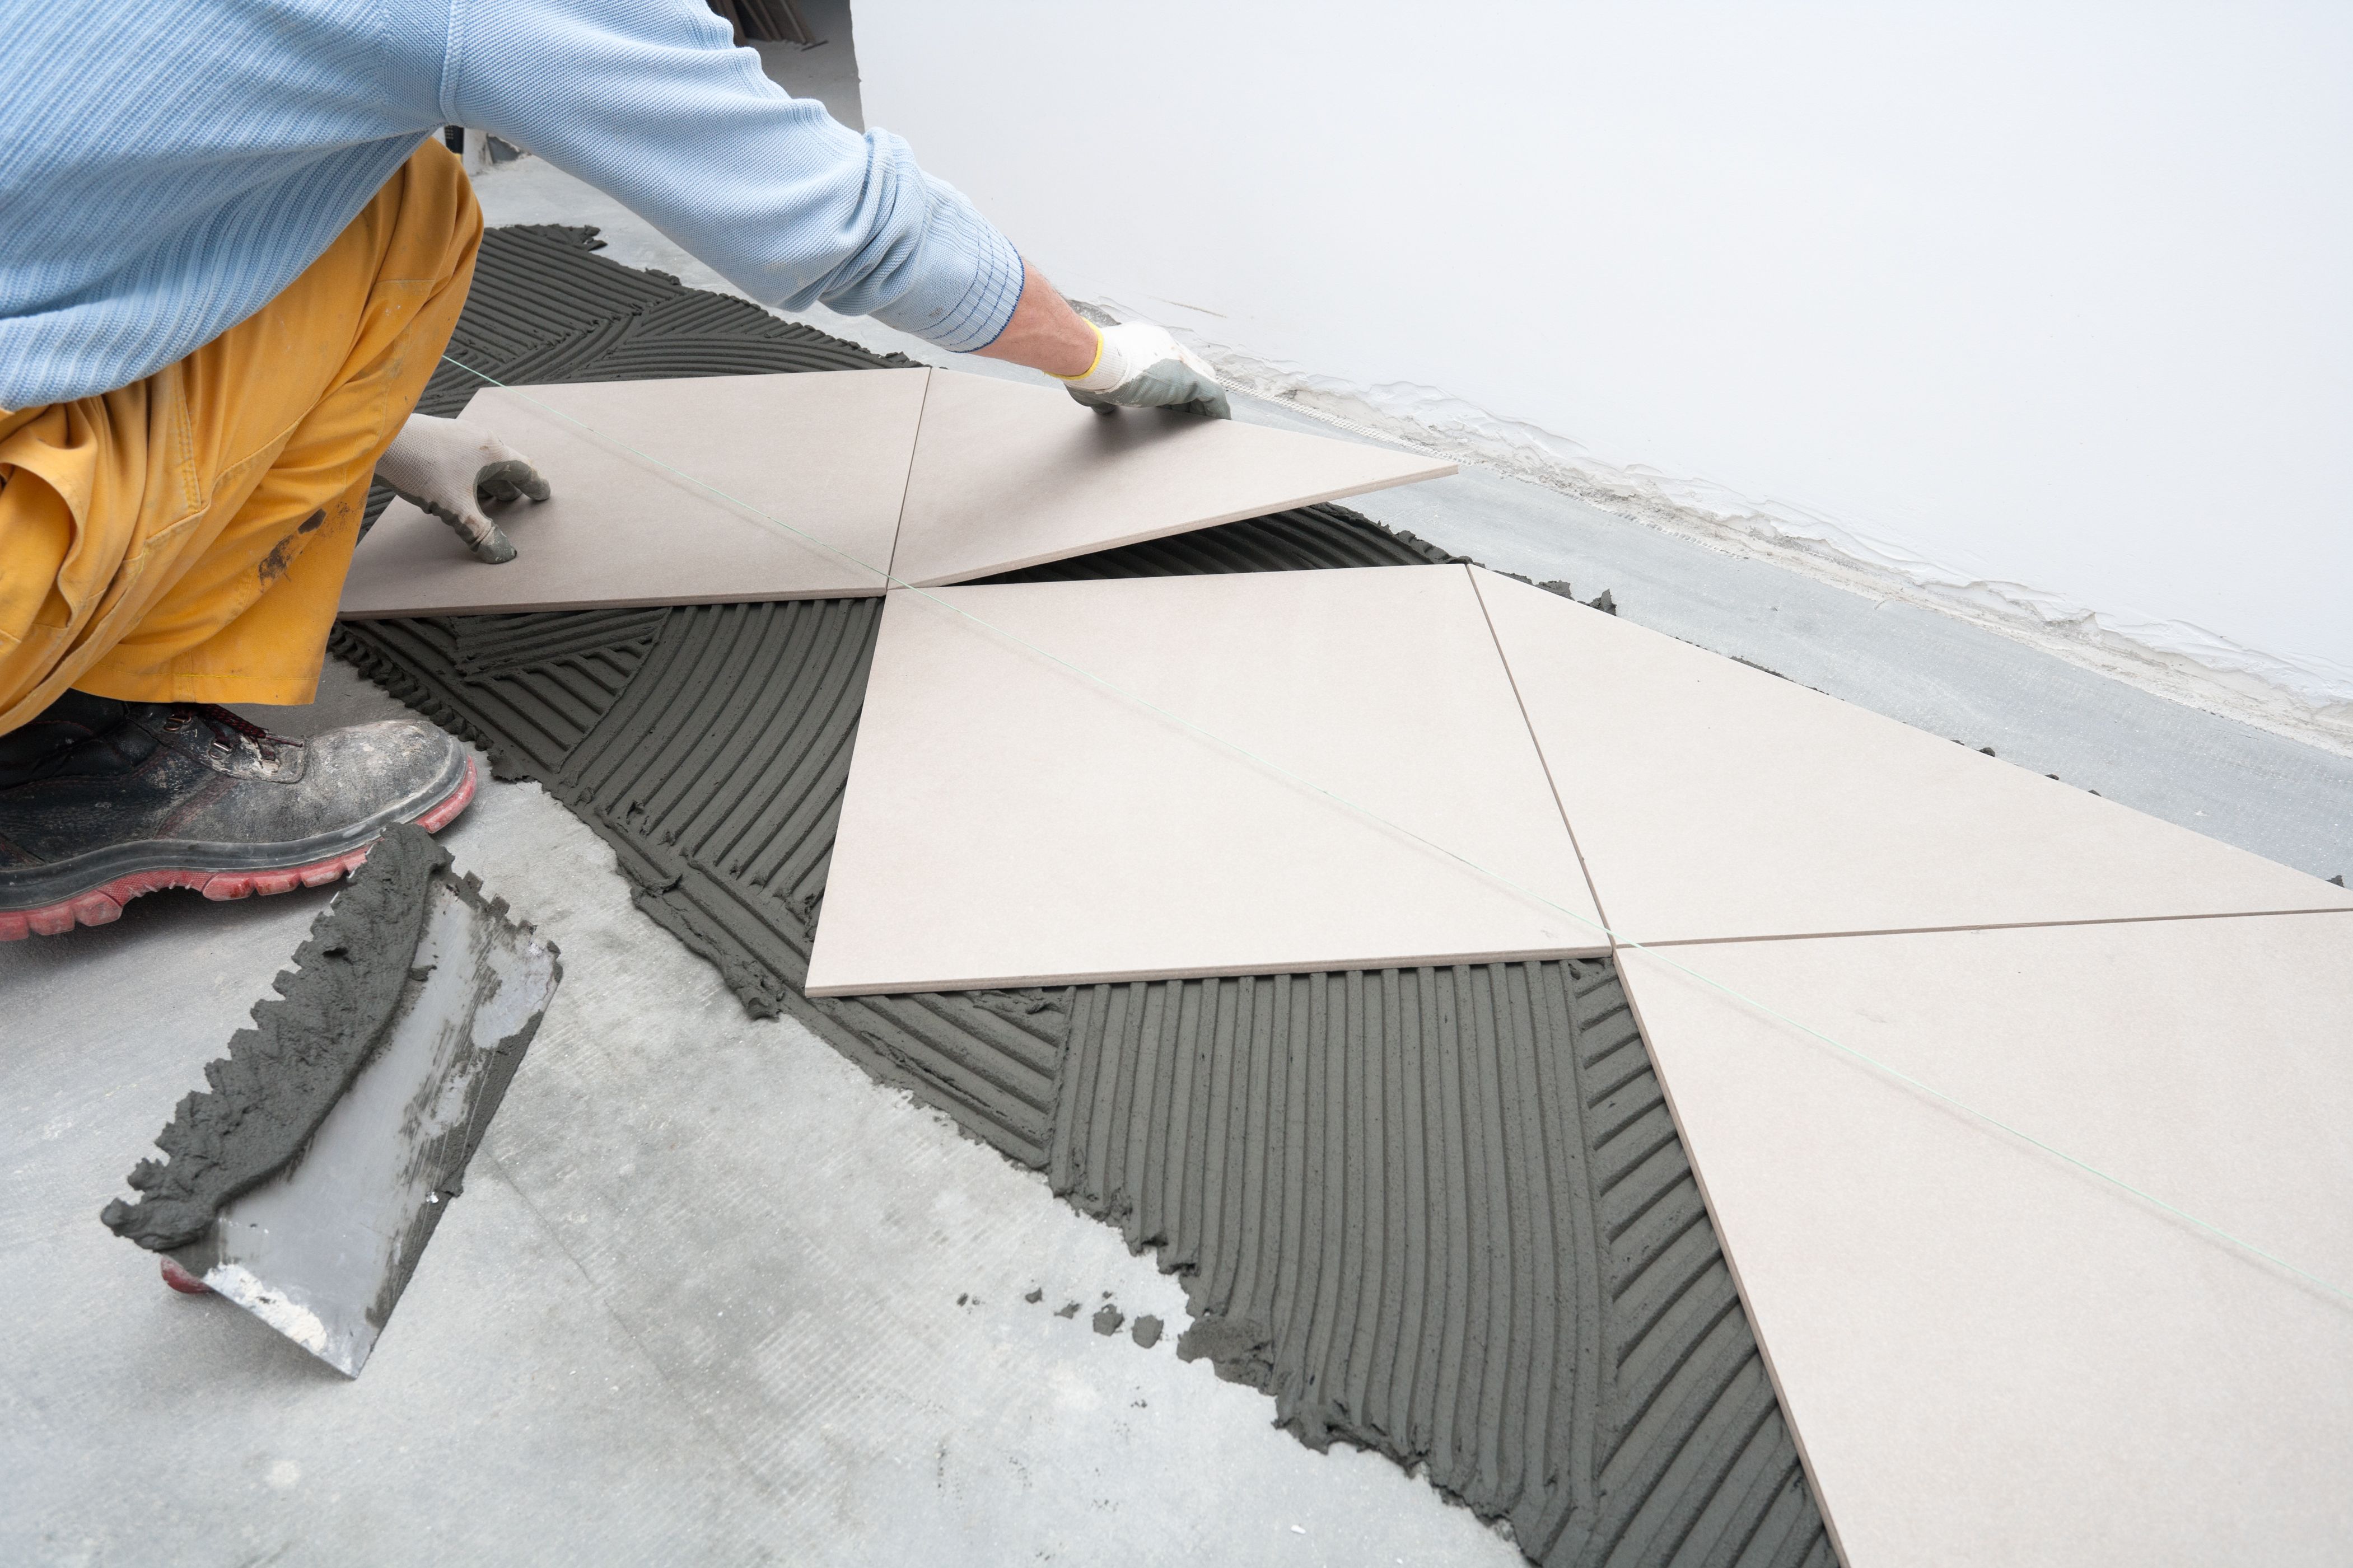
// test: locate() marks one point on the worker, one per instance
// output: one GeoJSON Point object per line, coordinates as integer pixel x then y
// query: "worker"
{"type": "Point", "coordinates": [233, 247]}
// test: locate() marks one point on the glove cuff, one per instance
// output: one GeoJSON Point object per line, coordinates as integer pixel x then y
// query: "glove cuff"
{"type": "Point", "coordinates": [1128, 350]}
{"type": "Point", "coordinates": [1092, 365]}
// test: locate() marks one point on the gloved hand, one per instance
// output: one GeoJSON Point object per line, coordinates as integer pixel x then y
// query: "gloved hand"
{"type": "Point", "coordinates": [1140, 366]}
{"type": "Point", "coordinates": [454, 471]}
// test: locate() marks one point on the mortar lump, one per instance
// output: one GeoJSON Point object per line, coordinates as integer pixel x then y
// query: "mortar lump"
{"type": "Point", "coordinates": [281, 1077]}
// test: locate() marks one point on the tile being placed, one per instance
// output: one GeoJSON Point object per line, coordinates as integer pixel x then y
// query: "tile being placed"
{"type": "Point", "coordinates": [1009, 821]}
{"type": "Point", "coordinates": [1712, 800]}
{"type": "Point", "coordinates": [825, 451]}
{"type": "Point", "coordinates": [1988, 1354]}
{"type": "Point", "coordinates": [1008, 475]}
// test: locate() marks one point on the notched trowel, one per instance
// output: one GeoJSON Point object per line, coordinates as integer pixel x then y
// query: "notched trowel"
{"type": "Point", "coordinates": [304, 1185]}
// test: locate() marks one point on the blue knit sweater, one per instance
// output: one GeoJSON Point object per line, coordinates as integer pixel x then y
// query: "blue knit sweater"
{"type": "Point", "coordinates": [167, 166]}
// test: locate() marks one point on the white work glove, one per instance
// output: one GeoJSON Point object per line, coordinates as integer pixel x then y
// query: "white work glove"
{"type": "Point", "coordinates": [453, 471]}
{"type": "Point", "coordinates": [1140, 366]}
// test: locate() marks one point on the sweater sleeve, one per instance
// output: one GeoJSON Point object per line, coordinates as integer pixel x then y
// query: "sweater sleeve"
{"type": "Point", "coordinates": [648, 101]}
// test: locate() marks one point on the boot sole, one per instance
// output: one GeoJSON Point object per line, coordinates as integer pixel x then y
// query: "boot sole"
{"type": "Point", "coordinates": [103, 904]}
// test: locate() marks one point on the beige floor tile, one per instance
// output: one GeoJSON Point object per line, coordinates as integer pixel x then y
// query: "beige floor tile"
{"type": "Point", "coordinates": [1712, 800]}
{"type": "Point", "coordinates": [1009, 821]}
{"type": "Point", "coordinates": [826, 452]}
{"type": "Point", "coordinates": [1988, 1355]}
{"type": "Point", "coordinates": [1007, 475]}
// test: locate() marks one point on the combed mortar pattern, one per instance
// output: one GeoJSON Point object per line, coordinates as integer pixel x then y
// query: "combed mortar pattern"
{"type": "Point", "coordinates": [1437, 1213]}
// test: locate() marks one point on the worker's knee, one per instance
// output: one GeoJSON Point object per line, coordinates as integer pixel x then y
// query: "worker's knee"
{"type": "Point", "coordinates": [192, 574]}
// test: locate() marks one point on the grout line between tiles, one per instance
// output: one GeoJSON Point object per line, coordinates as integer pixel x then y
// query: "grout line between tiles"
{"type": "Point", "coordinates": [1666, 1064]}
{"type": "Point", "coordinates": [1888, 1071]}
{"type": "Point", "coordinates": [1992, 925]}
{"type": "Point", "coordinates": [907, 484]}
{"type": "Point", "coordinates": [1591, 891]}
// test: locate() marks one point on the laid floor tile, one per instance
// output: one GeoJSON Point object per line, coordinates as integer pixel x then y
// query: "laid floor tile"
{"type": "Point", "coordinates": [1010, 821]}
{"type": "Point", "coordinates": [1714, 800]}
{"type": "Point", "coordinates": [1987, 1354]}
{"type": "Point", "coordinates": [1008, 475]}
{"type": "Point", "coordinates": [826, 452]}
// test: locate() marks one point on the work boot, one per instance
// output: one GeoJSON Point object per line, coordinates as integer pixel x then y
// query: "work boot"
{"type": "Point", "coordinates": [102, 800]}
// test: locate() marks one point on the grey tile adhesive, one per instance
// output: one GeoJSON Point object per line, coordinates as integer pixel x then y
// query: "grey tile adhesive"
{"type": "Point", "coordinates": [1440, 1214]}
{"type": "Point", "coordinates": [305, 1182]}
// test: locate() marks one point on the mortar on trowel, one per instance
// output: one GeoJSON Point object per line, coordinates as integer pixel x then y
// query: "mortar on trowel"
{"type": "Point", "coordinates": [304, 1184]}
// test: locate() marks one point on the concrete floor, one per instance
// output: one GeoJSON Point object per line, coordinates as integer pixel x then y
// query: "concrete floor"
{"type": "Point", "coordinates": [701, 1301]}
{"type": "Point", "coordinates": [710, 1295]}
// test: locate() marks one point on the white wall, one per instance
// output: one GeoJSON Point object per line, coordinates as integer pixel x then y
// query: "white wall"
{"type": "Point", "coordinates": [2056, 297]}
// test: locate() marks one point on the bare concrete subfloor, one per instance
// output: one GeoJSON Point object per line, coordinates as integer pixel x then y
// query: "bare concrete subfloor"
{"type": "Point", "coordinates": [710, 1295]}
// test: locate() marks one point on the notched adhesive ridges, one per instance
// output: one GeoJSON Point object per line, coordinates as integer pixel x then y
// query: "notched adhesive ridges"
{"type": "Point", "coordinates": [711, 745]}
{"type": "Point", "coordinates": [715, 767]}
{"type": "Point", "coordinates": [1437, 1212]}
{"type": "Point", "coordinates": [526, 689]}
{"type": "Point", "coordinates": [719, 777]}
{"type": "Point", "coordinates": [1311, 537]}
{"type": "Point", "coordinates": [1441, 1213]}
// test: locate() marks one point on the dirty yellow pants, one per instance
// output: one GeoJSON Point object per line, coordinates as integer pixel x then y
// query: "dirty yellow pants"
{"type": "Point", "coordinates": [185, 539]}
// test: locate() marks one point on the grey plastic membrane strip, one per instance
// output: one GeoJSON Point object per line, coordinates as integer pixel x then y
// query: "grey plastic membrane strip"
{"type": "Point", "coordinates": [711, 747]}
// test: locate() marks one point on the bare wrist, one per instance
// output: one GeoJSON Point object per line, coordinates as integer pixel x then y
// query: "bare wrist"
{"type": "Point", "coordinates": [1045, 334]}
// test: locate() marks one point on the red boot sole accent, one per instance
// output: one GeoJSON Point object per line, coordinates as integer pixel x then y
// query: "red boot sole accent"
{"type": "Point", "coordinates": [180, 1280]}
{"type": "Point", "coordinates": [103, 904]}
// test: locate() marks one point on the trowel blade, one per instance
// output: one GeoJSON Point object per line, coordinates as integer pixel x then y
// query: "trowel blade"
{"type": "Point", "coordinates": [322, 1250]}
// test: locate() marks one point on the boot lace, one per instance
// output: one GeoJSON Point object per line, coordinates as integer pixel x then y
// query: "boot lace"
{"type": "Point", "coordinates": [230, 730]}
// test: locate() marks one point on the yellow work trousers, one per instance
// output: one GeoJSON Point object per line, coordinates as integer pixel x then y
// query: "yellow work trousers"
{"type": "Point", "coordinates": [184, 539]}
